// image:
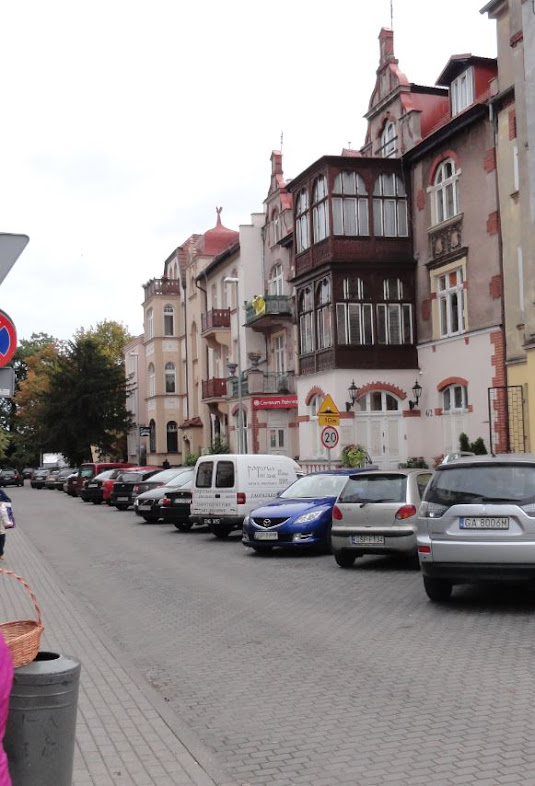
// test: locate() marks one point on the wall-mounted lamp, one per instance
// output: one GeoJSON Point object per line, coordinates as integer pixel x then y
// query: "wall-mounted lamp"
{"type": "Point", "coordinates": [353, 392]}
{"type": "Point", "coordinates": [416, 393]}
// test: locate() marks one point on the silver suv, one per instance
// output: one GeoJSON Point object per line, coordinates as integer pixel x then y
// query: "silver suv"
{"type": "Point", "coordinates": [477, 523]}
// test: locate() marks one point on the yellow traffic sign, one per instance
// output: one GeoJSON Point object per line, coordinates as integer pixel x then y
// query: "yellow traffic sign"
{"type": "Point", "coordinates": [328, 407]}
{"type": "Point", "coordinates": [329, 420]}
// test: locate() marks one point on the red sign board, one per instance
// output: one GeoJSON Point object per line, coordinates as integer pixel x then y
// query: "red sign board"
{"type": "Point", "coordinates": [274, 402]}
{"type": "Point", "coordinates": [8, 338]}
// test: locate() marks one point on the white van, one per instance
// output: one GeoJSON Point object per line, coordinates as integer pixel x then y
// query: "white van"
{"type": "Point", "coordinates": [228, 486]}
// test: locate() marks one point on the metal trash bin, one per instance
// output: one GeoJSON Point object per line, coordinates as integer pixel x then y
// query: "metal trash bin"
{"type": "Point", "coordinates": [41, 724]}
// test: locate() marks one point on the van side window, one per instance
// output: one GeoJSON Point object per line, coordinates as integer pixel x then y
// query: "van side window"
{"type": "Point", "coordinates": [224, 477]}
{"type": "Point", "coordinates": [204, 475]}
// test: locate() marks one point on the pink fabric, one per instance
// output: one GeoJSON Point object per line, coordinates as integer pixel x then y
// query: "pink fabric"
{"type": "Point", "coordinates": [6, 679]}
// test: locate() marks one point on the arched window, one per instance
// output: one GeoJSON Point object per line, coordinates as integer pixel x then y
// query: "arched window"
{"type": "Point", "coordinates": [168, 320]}
{"type": "Point", "coordinates": [151, 380]}
{"type": "Point", "coordinates": [170, 378]}
{"type": "Point", "coordinates": [306, 320]}
{"type": "Point", "coordinates": [302, 232]}
{"type": "Point", "coordinates": [390, 207]}
{"type": "Point", "coordinates": [324, 331]}
{"type": "Point", "coordinates": [354, 317]}
{"type": "Point", "coordinates": [394, 319]}
{"type": "Point", "coordinates": [350, 205]}
{"type": "Point", "coordinates": [320, 209]}
{"type": "Point", "coordinates": [445, 192]}
{"type": "Point", "coordinates": [172, 437]}
{"type": "Point", "coordinates": [378, 401]}
{"type": "Point", "coordinates": [276, 280]}
{"type": "Point", "coordinates": [152, 437]}
{"type": "Point", "coordinates": [455, 399]}
{"type": "Point", "coordinates": [388, 140]}
{"type": "Point", "coordinates": [150, 323]}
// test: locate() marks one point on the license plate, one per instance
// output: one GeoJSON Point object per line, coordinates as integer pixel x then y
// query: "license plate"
{"type": "Point", "coordinates": [122, 499]}
{"type": "Point", "coordinates": [211, 521]}
{"type": "Point", "coordinates": [144, 505]}
{"type": "Point", "coordinates": [92, 485]}
{"type": "Point", "coordinates": [484, 522]}
{"type": "Point", "coordinates": [266, 536]}
{"type": "Point", "coordinates": [369, 539]}
{"type": "Point", "coordinates": [180, 502]}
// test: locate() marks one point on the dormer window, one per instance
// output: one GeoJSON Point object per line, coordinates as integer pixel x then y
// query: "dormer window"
{"type": "Point", "coordinates": [462, 91]}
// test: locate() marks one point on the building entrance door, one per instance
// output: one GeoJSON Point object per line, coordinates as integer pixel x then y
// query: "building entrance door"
{"type": "Point", "coordinates": [380, 429]}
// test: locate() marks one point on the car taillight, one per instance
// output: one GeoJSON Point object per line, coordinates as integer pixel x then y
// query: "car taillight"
{"type": "Point", "coordinates": [136, 489]}
{"type": "Point", "coordinates": [241, 498]}
{"type": "Point", "coordinates": [406, 511]}
{"type": "Point", "coordinates": [337, 513]}
{"type": "Point", "coordinates": [424, 549]}
{"type": "Point", "coordinates": [166, 502]}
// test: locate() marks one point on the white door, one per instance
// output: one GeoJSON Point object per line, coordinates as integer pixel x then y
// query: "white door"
{"type": "Point", "coordinates": [380, 429]}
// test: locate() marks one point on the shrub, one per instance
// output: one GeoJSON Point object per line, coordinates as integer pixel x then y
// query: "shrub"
{"type": "Point", "coordinates": [354, 456]}
{"type": "Point", "coordinates": [477, 447]}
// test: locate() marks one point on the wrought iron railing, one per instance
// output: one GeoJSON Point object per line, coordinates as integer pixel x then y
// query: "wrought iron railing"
{"type": "Point", "coordinates": [273, 305]}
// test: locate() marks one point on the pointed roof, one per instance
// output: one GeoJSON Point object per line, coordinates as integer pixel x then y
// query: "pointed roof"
{"type": "Point", "coordinates": [217, 239]}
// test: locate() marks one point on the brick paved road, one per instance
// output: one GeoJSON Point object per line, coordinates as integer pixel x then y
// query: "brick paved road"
{"type": "Point", "coordinates": [294, 671]}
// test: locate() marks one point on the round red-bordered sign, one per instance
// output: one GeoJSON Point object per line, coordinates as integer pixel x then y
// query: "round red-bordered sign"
{"type": "Point", "coordinates": [329, 437]}
{"type": "Point", "coordinates": [8, 338]}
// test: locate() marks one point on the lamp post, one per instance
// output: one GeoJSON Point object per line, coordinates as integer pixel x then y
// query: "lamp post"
{"type": "Point", "coordinates": [138, 436]}
{"type": "Point", "coordinates": [236, 281]}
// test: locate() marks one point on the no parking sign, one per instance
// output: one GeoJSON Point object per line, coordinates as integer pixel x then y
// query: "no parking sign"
{"type": "Point", "coordinates": [8, 338]}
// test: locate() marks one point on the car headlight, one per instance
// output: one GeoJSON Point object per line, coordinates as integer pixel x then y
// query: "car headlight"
{"type": "Point", "coordinates": [246, 521]}
{"type": "Point", "coordinates": [306, 517]}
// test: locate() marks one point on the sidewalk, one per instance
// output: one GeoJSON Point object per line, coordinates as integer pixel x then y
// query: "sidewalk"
{"type": "Point", "coordinates": [126, 734]}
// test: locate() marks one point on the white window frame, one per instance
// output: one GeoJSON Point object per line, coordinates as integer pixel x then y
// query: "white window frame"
{"type": "Point", "coordinates": [302, 218]}
{"type": "Point", "coordinates": [390, 212]}
{"type": "Point", "coordinates": [354, 322]}
{"type": "Point", "coordinates": [451, 395]}
{"type": "Point", "coordinates": [150, 323]}
{"type": "Point", "coordinates": [320, 209]}
{"type": "Point", "coordinates": [276, 280]}
{"type": "Point", "coordinates": [324, 328]}
{"type": "Point", "coordinates": [388, 140]}
{"type": "Point", "coordinates": [279, 350]}
{"type": "Point", "coordinates": [462, 91]}
{"type": "Point", "coordinates": [151, 378]}
{"type": "Point", "coordinates": [168, 320]}
{"type": "Point", "coordinates": [450, 301]}
{"type": "Point", "coordinates": [445, 192]}
{"type": "Point", "coordinates": [350, 206]}
{"type": "Point", "coordinates": [306, 322]}
{"type": "Point", "coordinates": [394, 323]}
{"type": "Point", "coordinates": [170, 378]}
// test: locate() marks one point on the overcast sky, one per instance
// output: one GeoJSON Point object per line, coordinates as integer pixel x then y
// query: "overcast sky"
{"type": "Point", "coordinates": [125, 123]}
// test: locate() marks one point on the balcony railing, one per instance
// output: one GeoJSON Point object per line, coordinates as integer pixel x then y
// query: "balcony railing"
{"type": "Point", "coordinates": [273, 306]}
{"type": "Point", "coordinates": [162, 286]}
{"type": "Point", "coordinates": [216, 387]}
{"type": "Point", "coordinates": [267, 382]}
{"type": "Point", "coordinates": [215, 318]}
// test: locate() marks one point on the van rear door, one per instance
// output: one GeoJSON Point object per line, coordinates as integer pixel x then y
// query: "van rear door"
{"type": "Point", "coordinates": [214, 491]}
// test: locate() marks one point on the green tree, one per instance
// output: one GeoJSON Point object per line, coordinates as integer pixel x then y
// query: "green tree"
{"type": "Point", "coordinates": [111, 336]}
{"type": "Point", "coordinates": [85, 405]}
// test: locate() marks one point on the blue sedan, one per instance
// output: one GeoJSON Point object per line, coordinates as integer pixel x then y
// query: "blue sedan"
{"type": "Point", "coordinates": [300, 516]}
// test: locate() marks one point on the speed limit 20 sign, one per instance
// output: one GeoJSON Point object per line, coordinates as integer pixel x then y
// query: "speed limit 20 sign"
{"type": "Point", "coordinates": [329, 437]}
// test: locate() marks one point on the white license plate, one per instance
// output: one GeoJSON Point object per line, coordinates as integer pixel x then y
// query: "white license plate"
{"type": "Point", "coordinates": [144, 505]}
{"type": "Point", "coordinates": [266, 536]}
{"type": "Point", "coordinates": [484, 522]}
{"type": "Point", "coordinates": [92, 485]}
{"type": "Point", "coordinates": [122, 499]}
{"type": "Point", "coordinates": [378, 540]}
{"type": "Point", "coordinates": [180, 502]}
{"type": "Point", "coordinates": [207, 522]}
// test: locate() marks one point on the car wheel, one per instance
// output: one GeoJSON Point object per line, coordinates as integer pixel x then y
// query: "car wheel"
{"type": "Point", "coordinates": [96, 501]}
{"type": "Point", "coordinates": [344, 560]}
{"type": "Point", "coordinates": [151, 519]}
{"type": "Point", "coordinates": [183, 526]}
{"type": "Point", "coordinates": [437, 589]}
{"type": "Point", "coordinates": [121, 507]}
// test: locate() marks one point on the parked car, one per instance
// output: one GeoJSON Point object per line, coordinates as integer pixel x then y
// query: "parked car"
{"type": "Point", "coordinates": [457, 454]}
{"type": "Point", "coordinates": [161, 502]}
{"type": "Point", "coordinates": [123, 493]}
{"type": "Point", "coordinates": [89, 469]}
{"type": "Point", "coordinates": [11, 477]}
{"type": "Point", "coordinates": [69, 486]}
{"type": "Point", "coordinates": [228, 486]}
{"type": "Point", "coordinates": [39, 478]}
{"type": "Point", "coordinates": [93, 489]}
{"type": "Point", "coordinates": [60, 478]}
{"type": "Point", "coordinates": [161, 478]}
{"type": "Point", "coordinates": [477, 523]}
{"type": "Point", "coordinates": [376, 514]}
{"type": "Point", "coordinates": [300, 517]}
{"type": "Point", "coordinates": [27, 472]}
{"type": "Point", "coordinates": [50, 482]}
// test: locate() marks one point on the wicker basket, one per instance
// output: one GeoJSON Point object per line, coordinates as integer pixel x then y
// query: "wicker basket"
{"type": "Point", "coordinates": [22, 637]}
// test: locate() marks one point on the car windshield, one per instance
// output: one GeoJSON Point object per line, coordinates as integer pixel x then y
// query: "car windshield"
{"type": "Point", "coordinates": [375, 488]}
{"type": "Point", "coordinates": [181, 480]}
{"type": "Point", "coordinates": [108, 473]}
{"type": "Point", "coordinates": [312, 486]}
{"type": "Point", "coordinates": [484, 483]}
{"type": "Point", "coordinates": [166, 475]}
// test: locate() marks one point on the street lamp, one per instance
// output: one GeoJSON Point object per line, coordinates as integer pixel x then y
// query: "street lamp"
{"type": "Point", "coordinates": [416, 392]}
{"type": "Point", "coordinates": [138, 436]}
{"type": "Point", "coordinates": [353, 392]}
{"type": "Point", "coordinates": [236, 281]}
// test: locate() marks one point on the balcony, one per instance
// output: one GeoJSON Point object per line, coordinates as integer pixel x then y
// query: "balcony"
{"type": "Point", "coordinates": [162, 286]}
{"type": "Point", "coordinates": [256, 382]}
{"type": "Point", "coordinates": [216, 387]}
{"type": "Point", "coordinates": [272, 314]}
{"type": "Point", "coordinates": [215, 327]}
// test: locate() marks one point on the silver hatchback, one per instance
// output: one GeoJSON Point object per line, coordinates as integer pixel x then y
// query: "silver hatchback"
{"type": "Point", "coordinates": [375, 513]}
{"type": "Point", "coordinates": [477, 523]}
